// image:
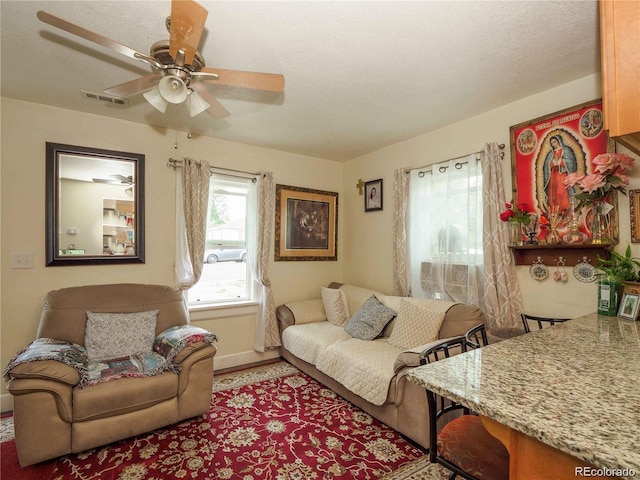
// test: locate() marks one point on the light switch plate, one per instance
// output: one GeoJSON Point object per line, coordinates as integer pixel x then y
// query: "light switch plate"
{"type": "Point", "coordinates": [22, 260]}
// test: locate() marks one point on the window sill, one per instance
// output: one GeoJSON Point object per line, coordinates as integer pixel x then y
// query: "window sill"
{"type": "Point", "coordinates": [222, 310]}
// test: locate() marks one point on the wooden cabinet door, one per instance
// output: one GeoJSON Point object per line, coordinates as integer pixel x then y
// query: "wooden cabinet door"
{"type": "Point", "coordinates": [620, 39]}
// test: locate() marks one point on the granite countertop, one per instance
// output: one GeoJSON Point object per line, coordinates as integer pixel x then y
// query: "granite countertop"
{"type": "Point", "coordinates": [574, 386]}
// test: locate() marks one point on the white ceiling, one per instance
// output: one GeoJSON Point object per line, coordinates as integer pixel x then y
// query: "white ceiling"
{"type": "Point", "coordinates": [359, 75]}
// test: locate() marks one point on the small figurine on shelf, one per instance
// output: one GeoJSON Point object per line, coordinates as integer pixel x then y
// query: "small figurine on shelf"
{"type": "Point", "coordinates": [555, 220]}
{"type": "Point", "coordinates": [531, 231]}
{"type": "Point", "coordinates": [574, 236]}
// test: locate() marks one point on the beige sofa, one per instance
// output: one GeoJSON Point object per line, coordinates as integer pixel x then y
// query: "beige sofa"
{"type": "Point", "coordinates": [369, 373]}
{"type": "Point", "coordinates": [54, 415]}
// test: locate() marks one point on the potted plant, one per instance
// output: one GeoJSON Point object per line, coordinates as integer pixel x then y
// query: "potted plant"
{"type": "Point", "coordinates": [615, 271]}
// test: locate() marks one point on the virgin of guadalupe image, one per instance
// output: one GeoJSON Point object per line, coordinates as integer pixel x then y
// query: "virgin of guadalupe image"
{"type": "Point", "coordinates": [560, 156]}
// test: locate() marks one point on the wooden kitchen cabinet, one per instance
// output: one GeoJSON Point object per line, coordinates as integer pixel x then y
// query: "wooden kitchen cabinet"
{"type": "Point", "coordinates": [620, 43]}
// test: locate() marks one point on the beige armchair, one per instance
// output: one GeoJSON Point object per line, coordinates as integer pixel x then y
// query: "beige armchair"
{"type": "Point", "coordinates": [61, 407]}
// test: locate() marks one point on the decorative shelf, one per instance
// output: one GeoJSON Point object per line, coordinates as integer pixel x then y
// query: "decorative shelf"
{"type": "Point", "coordinates": [549, 254]}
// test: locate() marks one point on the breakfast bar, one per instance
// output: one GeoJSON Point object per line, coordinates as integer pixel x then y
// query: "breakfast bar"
{"type": "Point", "coordinates": [571, 390]}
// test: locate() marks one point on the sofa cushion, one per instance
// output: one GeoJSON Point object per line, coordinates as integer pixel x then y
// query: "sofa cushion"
{"type": "Point", "coordinates": [116, 335]}
{"type": "Point", "coordinates": [307, 311]}
{"type": "Point", "coordinates": [460, 318]}
{"type": "Point", "coordinates": [335, 306]}
{"type": "Point", "coordinates": [364, 367]}
{"type": "Point", "coordinates": [64, 314]}
{"type": "Point", "coordinates": [356, 296]}
{"type": "Point", "coordinates": [416, 325]}
{"type": "Point", "coordinates": [123, 395]}
{"type": "Point", "coordinates": [370, 319]}
{"type": "Point", "coordinates": [305, 341]}
{"type": "Point", "coordinates": [391, 301]}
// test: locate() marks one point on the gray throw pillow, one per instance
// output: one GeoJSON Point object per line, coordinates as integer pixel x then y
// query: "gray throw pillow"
{"type": "Point", "coordinates": [117, 335]}
{"type": "Point", "coordinates": [370, 319]}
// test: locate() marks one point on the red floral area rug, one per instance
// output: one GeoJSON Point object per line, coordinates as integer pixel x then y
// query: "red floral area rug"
{"type": "Point", "coordinates": [287, 427]}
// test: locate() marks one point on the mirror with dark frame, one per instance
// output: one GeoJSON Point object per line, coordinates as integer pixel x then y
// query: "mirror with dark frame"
{"type": "Point", "coordinates": [95, 206]}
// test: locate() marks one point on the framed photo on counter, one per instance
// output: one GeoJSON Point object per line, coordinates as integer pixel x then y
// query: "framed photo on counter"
{"type": "Point", "coordinates": [629, 306]}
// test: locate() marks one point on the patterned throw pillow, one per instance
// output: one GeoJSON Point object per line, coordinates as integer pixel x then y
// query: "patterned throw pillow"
{"type": "Point", "coordinates": [116, 335]}
{"type": "Point", "coordinates": [416, 325]}
{"type": "Point", "coordinates": [335, 306]}
{"type": "Point", "coordinates": [369, 320]}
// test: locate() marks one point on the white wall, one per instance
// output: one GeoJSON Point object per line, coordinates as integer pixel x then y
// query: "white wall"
{"type": "Point", "coordinates": [369, 235]}
{"type": "Point", "coordinates": [25, 129]}
{"type": "Point", "coordinates": [365, 239]}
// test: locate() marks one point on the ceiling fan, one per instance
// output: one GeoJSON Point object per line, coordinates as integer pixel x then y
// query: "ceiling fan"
{"type": "Point", "coordinates": [178, 66]}
{"type": "Point", "coordinates": [117, 179]}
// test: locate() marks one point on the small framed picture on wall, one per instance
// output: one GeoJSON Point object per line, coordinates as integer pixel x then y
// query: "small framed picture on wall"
{"type": "Point", "coordinates": [373, 195]}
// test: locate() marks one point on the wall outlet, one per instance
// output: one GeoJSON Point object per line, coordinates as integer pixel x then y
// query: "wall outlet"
{"type": "Point", "coordinates": [22, 260]}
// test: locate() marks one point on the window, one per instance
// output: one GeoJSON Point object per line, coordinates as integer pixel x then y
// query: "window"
{"type": "Point", "coordinates": [226, 275]}
{"type": "Point", "coordinates": [445, 231]}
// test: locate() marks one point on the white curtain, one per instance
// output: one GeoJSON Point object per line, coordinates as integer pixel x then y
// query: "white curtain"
{"type": "Point", "coordinates": [401, 271]}
{"type": "Point", "coordinates": [445, 231]}
{"type": "Point", "coordinates": [502, 298]}
{"type": "Point", "coordinates": [258, 243]}
{"type": "Point", "coordinates": [192, 204]}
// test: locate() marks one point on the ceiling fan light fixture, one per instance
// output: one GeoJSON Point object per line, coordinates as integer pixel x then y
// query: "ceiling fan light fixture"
{"type": "Point", "coordinates": [195, 103]}
{"type": "Point", "coordinates": [177, 60]}
{"type": "Point", "coordinates": [173, 89]}
{"type": "Point", "coordinates": [155, 99]}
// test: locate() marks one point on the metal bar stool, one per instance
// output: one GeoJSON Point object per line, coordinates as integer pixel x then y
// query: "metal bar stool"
{"type": "Point", "coordinates": [540, 321]}
{"type": "Point", "coordinates": [463, 445]}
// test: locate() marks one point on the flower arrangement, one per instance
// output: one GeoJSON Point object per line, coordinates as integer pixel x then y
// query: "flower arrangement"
{"type": "Point", "coordinates": [609, 174]}
{"type": "Point", "coordinates": [516, 213]}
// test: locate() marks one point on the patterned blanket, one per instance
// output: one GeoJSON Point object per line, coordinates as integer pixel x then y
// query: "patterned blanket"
{"type": "Point", "coordinates": [70, 354]}
{"type": "Point", "coordinates": [138, 365]}
{"type": "Point", "coordinates": [168, 344]}
{"type": "Point", "coordinates": [172, 341]}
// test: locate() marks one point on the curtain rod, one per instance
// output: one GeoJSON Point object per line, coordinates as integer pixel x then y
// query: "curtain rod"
{"type": "Point", "coordinates": [173, 163]}
{"type": "Point", "coordinates": [443, 168]}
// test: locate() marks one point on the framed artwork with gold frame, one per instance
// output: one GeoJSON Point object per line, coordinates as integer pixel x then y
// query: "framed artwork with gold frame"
{"type": "Point", "coordinates": [306, 224]}
{"type": "Point", "coordinates": [634, 211]}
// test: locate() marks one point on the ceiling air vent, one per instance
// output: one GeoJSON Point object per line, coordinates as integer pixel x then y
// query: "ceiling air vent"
{"type": "Point", "coordinates": [101, 97]}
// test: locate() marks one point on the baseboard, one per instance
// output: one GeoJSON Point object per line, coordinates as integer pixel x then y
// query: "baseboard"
{"type": "Point", "coordinates": [243, 358]}
{"type": "Point", "coordinates": [219, 363]}
{"type": "Point", "coordinates": [6, 403]}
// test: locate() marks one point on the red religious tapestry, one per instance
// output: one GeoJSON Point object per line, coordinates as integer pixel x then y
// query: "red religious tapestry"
{"type": "Point", "coordinates": [546, 149]}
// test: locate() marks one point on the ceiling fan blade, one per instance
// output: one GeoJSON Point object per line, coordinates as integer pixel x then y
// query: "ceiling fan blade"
{"type": "Point", "coordinates": [122, 179]}
{"type": "Point", "coordinates": [133, 87]}
{"type": "Point", "coordinates": [93, 37]}
{"type": "Point", "coordinates": [215, 110]}
{"type": "Point", "coordinates": [105, 180]}
{"type": "Point", "coordinates": [187, 24]}
{"type": "Point", "coordinates": [272, 82]}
